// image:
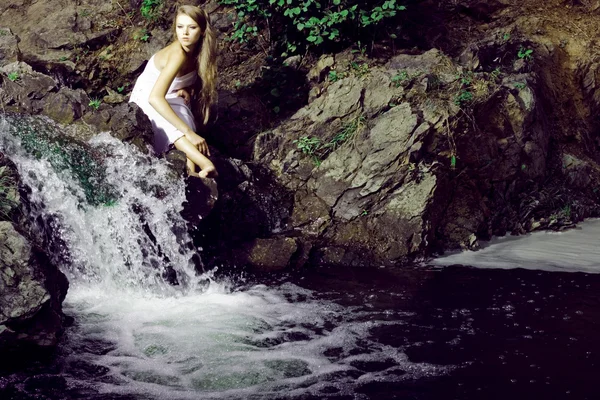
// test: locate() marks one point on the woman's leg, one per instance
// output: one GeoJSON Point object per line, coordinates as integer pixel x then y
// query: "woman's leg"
{"type": "Point", "coordinates": [207, 168]}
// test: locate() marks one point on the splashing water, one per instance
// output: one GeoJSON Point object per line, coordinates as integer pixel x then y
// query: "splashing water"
{"type": "Point", "coordinates": [117, 213]}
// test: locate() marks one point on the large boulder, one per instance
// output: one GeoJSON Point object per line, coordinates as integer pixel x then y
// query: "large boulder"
{"type": "Point", "coordinates": [31, 294]}
{"type": "Point", "coordinates": [389, 161]}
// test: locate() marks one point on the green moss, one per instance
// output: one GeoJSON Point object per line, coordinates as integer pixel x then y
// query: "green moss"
{"type": "Point", "coordinates": [39, 139]}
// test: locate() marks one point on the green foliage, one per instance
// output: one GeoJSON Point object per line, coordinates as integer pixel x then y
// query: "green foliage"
{"type": "Point", "coordinates": [309, 23]}
{"type": "Point", "coordinates": [495, 74]}
{"type": "Point", "coordinates": [520, 85]}
{"type": "Point", "coordinates": [334, 76]}
{"type": "Point", "coordinates": [464, 96]}
{"type": "Point", "coordinates": [8, 193]}
{"type": "Point", "coordinates": [525, 54]}
{"type": "Point", "coordinates": [318, 151]}
{"type": "Point", "coordinates": [13, 76]}
{"type": "Point", "coordinates": [121, 89]}
{"type": "Point", "coordinates": [95, 103]}
{"type": "Point", "coordinates": [308, 145]}
{"type": "Point", "coordinates": [399, 78]}
{"type": "Point", "coordinates": [150, 8]}
{"type": "Point", "coordinates": [359, 69]}
{"type": "Point", "coordinates": [141, 34]}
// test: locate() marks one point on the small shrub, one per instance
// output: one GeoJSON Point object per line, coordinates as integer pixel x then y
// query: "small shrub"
{"type": "Point", "coordinates": [525, 54]}
{"type": "Point", "coordinates": [318, 151]}
{"type": "Point", "coordinates": [310, 23]}
{"type": "Point", "coordinates": [150, 8]}
{"type": "Point", "coordinates": [13, 76]}
{"type": "Point", "coordinates": [142, 35]}
{"type": "Point", "coordinates": [399, 78]}
{"type": "Point", "coordinates": [359, 69]}
{"type": "Point", "coordinates": [464, 96]}
{"type": "Point", "coordinates": [95, 103]}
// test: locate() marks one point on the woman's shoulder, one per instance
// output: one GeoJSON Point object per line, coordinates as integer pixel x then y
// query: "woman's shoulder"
{"type": "Point", "coordinates": [169, 54]}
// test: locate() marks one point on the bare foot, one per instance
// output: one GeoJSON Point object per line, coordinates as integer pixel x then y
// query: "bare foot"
{"type": "Point", "coordinates": [208, 172]}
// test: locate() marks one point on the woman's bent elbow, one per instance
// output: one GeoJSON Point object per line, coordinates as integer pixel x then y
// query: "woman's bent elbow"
{"type": "Point", "coordinates": [153, 101]}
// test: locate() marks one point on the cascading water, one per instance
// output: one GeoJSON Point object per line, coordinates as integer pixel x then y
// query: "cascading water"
{"type": "Point", "coordinates": [116, 213]}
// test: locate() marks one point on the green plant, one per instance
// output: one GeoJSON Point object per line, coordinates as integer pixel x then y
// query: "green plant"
{"type": "Point", "coordinates": [506, 37]}
{"type": "Point", "coordinates": [399, 78]}
{"type": "Point", "coordinates": [141, 35]}
{"type": "Point", "coordinates": [8, 193]}
{"type": "Point", "coordinates": [495, 73]}
{"type": "Point", "coordinates": [525, 54]}
{"type": "Point", "coordinates": [464, 96]}
{"type": "Point", "coordinates": [520, 85]}
{"type": "Point", "coordinates": [121, 89]}
{"type": "Point", "coordinates": [95, 103]}
{"type": "Point", "coordinates": [84, 13]}
{"type": "Point", "coordinates": [309, 146]}
{"type": "Point", "coordinates": [309, 23]}
{"type": "Point", "coordinates": [359, 69]}
{"type": "Point", "coordinates": [362, 49]}
{"type": "Point", "coordinates": [347, 133]}
{"type": "Point", "coordinates": [333, 76]}
{"type": "Point", "coordinates": [63, 58]}
{"type": "Point", "coordinates": [318, 151]}
{"type": "Point", "coordinates": [150, 8]}
{"type": "Point", "coordinates": [13, 76]}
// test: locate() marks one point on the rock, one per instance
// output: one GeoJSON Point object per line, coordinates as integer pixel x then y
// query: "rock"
{"type": "Point", "coordinates": [9, 49]}
{"type": "Point", "coordinates": [23, 88]}
{"type": "Point", "coordinates": [317, 73]}
{"type": "Point", "coordinates": [65, 106]}
{"type": "Point", "coordinates": [113, 97]}
{"type": "Point", "coordinates": [293, 61]}
{"type": "Point", "coordinates": [31, 293]}
{"type": "Point", "coordinates": [271, 254]}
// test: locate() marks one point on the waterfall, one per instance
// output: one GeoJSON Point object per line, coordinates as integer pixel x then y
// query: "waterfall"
{"type": "Point", "coordinates": [147, 324]}
{"type": "Point", "coordinates": [115, 209]}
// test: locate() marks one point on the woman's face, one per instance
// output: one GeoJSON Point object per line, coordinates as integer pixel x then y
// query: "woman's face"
{"type": "Point", "coordinates": [187, 30]}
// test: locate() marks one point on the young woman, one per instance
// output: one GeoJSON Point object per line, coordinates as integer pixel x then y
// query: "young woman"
{"type": "Point", "coordinates": [163, 90]}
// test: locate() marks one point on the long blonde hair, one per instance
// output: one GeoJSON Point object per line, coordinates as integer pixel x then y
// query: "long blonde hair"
{"type": "Point", "coordinates": [206, 60]}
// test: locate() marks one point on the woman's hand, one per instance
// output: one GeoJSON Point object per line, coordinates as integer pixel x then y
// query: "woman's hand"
{"type": "Point", "coordinates": [185, 94]}
{"type": "Point", "coordinates": [198, 141]}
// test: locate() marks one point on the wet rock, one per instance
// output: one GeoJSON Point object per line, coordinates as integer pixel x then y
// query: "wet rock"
{"type": "Point", "coordinates": [271, 254]}
{"type": "Point", "coordinates": [23, 88]}
{"type": "Point", "coordinates": [66, 106]}
{"type": "Point", "coordinates": [31, 293]}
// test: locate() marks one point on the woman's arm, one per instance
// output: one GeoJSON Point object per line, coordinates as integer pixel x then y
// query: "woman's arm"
{"type": "Point", "coordinates": [157, 99]}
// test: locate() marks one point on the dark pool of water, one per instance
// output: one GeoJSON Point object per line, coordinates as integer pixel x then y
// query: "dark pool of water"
{"type": "Point", "coordinates": [511, 334]}
{"type": "Point", "coordinates": [517, 333]}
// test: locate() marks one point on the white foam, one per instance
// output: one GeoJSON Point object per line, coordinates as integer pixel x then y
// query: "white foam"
{"type": "Point", "coordinates": [575, 250]}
